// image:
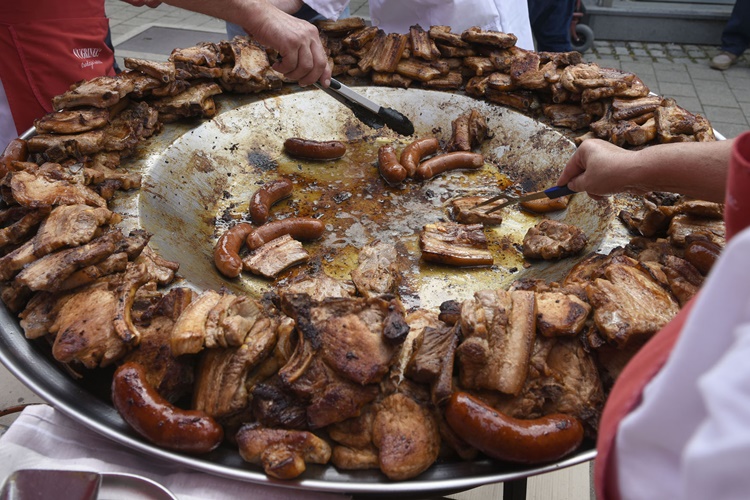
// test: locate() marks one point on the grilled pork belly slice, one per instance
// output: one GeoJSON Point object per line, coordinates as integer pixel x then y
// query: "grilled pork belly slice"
{"type": "Point", "coordinates": [389, 53]}
{"type": "Point", "coordinates": [99, 92]}
{"type": "Point", "coordinates": [359, 38]}
{"type": "Point", "coordinates": [571, 116]}
{"type": "Point", "coordinates": [422, 45]}
{"type": "Point", "coordinates": [72, 121]}
{"type": "Point", "coordinates": [464, 210]}
{"type": "Point", "coordinates": [282, 453]}
{"type": "Point", "coordinates": [320, 286]}
{"type": "Point", "coordinates": [492, 38]}
{"type": "Point", "coordinates": [469, 131]}
{"type": "Point", "coordinates": [684, 279]}
{"type": "Point", "coordinates": [627, 109]}
{"type": "Point", "coordinates": [452, 80]}
{"type": "Point", "coordinates": [189, 333]}
{"type": "Point", "coordinates": [275, 256]}
{"type": "Point", "coordinates": [15, 260]}
{"type": "Point", "coordinates": [443, 35]}
{"type": "Point", "coordinates": [628, 304]}
{"type": "Point", "coordinates": [50, 185]}
{"type": "Point", "coordinates": [521, 100]}
{"type": "Point", "coordinates": [560, 314]}
{"type": "Point", "coordinates": [69, 145]}
{"type": "Point", "coordinates": [683, 225]}
{"type": "Point", "coordinates": [455, 244]}
{"type": "Point", "coordinates": [553, 240]}
{"type": "Point", "coordinates": [416, 69]}
{"type": "Point", "coordinates": [115, 263]}
{"type": "Point", "coordinates": [391, 80]}
{"type": "Point", "coordinates": [499, 329]}
{"type": "Point", "coordinates": [378, 271]}
{"type": "Point", "coordinates": [341, 27]}
{"type": "Point", "coordinates": [69, 226]}
{"type": "Point", "coordinates": [24, 221]}
{"type": "Point", "coordinates": [406, 436]}
{"type": "Point", "coordinates": [433, 361]}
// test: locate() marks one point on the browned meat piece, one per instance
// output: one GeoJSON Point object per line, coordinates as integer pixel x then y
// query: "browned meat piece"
{"type": "Point", "coordinates": [99, 92]}
{"type": "Point", "coordinates": [560, 314]}
{"type": "Point", "coordinates": [477, 86]}
{"type": "Point", "coordinates": [629, 132]}
{"type": "Point", "coordinates": [348, 458]}
{"type": "Point", "coordinates": [627, 109]}
{"type": "Point", "coordinates": [192, 102]}
{"type": "Point", "coordinates": [190, 71]}
{"type": "Point", "coordinates": [49, 272]}
{"type": "Point", "coordinates": [417, 70]}
{"type": "Point", "coordinates": [562, 58]}
{"type": "Point", "coordinates": [163, 71]}
{"type": "Point", "coordinates": [703, 130]}
{"type": "Point", "coordinates": [50, 186]}
{"type": "Point", "coordinates": [371, 51]}
{"type": "Point", "coordinates": [275, 406]}
{"type": "Point", "coordinates": [479, 65]}
{"type": "Point", "coordinates": [388, 52]}
{"type": "Point", "coordinates": [464, 210]}
{"type": "Point", "coordinates": [142, 84]}
{"type": "Point", "coordinates": [698, 208]}
{"type": "Point", "coordinates": [170, 375]}
{"type": "Point", "coordinates": [492, 38]}
{"type": "Point", "coordinates": [341, 27]}
{"type": "Point", "coordinates": [422, 45]}
{"type": "Point", "coordinates": [63, 146]}
{"type": "Point", "coordinates": [520, 100]}
{"type": "Point", "coordinates": [69, 226]}
{"type": "Point", "coordinates": [115, 263]}
{"type": "Point", "coordinates": [40, 312]}
{"type": "Point", "coordinates": [433, 359]}
{"type": "Point", "coordinates": [501, 82]}
{"type": "Point", "coordinates": [127, 129]}
{"type": "Point", "coordinates": [570, 116]}
{"type": "Point", "coordinates": [378, 271]}
{"type": "Point", "coordinates": [452, 51]}
{"type": "Point", "coordinates": [275, 256]}
{"type": "Point", "coordinates": [189, 332]}
{"type": "Point", "coordinates": [406, 435]}
{"type": "Point", "coordinates": [321, 287]}
{"type": "Point", "coordinates": [629, 304]}
{"type": "Point", "coordinates": [553, 240]}
{"type": "Point", "coordinates": [469, 131]}
{"type": "Point", "coordinates": [202, 54]}
{"type": "Point", "coordinates": [72, 121]}
{"type": "Point", "coordinates": [452, 80]}
{"type": "Point", "coordinates": [358, 39]}
{"type": "Point", "coordinates": [455, 244]}
{"type": "Point", "coordinates": [443, 35]}
{"type": "Point", "coordinates": [391, 80]}
{"type": "Point", "coordinates": [684, 279]}
{"type": "Point", "coordinates": [232, 319]}
{"type": "Point", "coordinates": [220, 388]}
{"type": "Point", "coordinates": [19, 229]}
{"type": "Point", "coordinates": [649, 221]}
{"type": "Point", "coordinates": [355, 432]}
{"type": "Point", "coordinates": [673, 123]}
{"type": "Point", "coordinates": [526, 73]}
{"type": "Point", "coordinates": [590, 75]}
{"type": "Point", "coordinates": [649, 250]}
{"type": "Point", "coordinates": [14, 261]}
{"type": "Point", "coordinates": [250, 60]}
{"type": "Point", "coordinates": [684, 225]}
{"type": "Point", "coordinates": [499, 329]}
{"type": "Point", "coordinates": [282, 453]}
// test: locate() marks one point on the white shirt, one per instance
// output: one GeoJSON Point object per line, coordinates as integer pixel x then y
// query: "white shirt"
{"type": "Point", "coordinates": [396, 16]}
{"type": "Point", "coordinates": [690, 436]}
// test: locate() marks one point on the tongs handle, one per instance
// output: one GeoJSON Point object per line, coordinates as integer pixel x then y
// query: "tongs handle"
{"type": "Point", "coordinates": [550, 193]}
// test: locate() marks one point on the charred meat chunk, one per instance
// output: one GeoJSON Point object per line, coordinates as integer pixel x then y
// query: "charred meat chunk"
{"type": "Point", "coordinates": [553, 240]}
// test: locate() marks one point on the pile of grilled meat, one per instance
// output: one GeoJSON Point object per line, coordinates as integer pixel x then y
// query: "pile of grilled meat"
{"type": "Point", "coordinates": [328, 370]}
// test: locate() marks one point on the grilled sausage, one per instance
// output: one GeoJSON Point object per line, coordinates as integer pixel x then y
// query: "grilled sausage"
{"type": "Point", "coordinates": [156, 419]}
{"type": "Point", "coordinates": [227, 249]}
{"type": "Point", "coordinates": [299, 228]}
{"type": "Point", "coordinates": [314, 150]}
{"type": "Point", "coordinates": [544, 205]}
{"type": "Point", "coordinates": [16, 150]}
{"type": "Point", "coordinates": [414, 152]}
{"type": "Point", "coordinates": [266, 196]}
{"type": "Point", "coordinates": [702, 254]}
{"type": "Point", "coordinates": [505, 438]}
{"type": "Point", "coordinates": [388, 165]}
{"type": "Point", "coordinates": [448, 161]}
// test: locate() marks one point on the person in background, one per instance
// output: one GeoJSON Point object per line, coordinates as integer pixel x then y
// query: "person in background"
{"type": "Point", "coordinates": [47, 45]}
{"type": "Point", "coordinates": [735, 39]}
{"type": "Point", "coordinates": [303, 58]}
{"type": "Point", "coordinates": [550, 24]}
{"type": "Point", "coordinates": [677, 422]}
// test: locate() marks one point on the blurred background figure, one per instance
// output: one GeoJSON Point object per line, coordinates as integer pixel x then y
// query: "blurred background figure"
{"type": "Point", "coordinates": [735, 39]}
{"type": "Point", "coordinates": [550, 24]}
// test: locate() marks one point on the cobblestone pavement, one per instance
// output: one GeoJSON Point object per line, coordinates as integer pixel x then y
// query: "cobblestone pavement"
{"type": "Point", "coordinates": [679, 71]}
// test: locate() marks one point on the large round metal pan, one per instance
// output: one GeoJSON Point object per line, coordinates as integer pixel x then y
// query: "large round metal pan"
{"type": "Point", "coordinates": [197, 176]}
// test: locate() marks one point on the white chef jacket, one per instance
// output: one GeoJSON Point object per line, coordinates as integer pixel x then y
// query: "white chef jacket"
{"type": "Point", "coordinates": [396, 16]}
{"type": "Point", "coordinates": [690, 436]}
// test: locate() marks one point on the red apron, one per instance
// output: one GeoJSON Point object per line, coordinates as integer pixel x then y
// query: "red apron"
{"type": "Point", "coordinates": [626, 393]}
{"type": "Point", "coordinates": [47, 45]}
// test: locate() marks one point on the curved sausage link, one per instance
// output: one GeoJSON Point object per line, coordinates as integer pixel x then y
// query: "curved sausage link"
{"type": "Point", "coordinates": [505, 438]}
{"type": "Point", "coordinates": [388, 165]}
{"type": "Point", "coordinates": [156, 419]}
{"type": "Point", "coordinates": [227, 250]}
{"type": "Point", "coordinates": [266, 196]}
{"type": "Point", "coordinates": [299, 228]}
{"type": "Point", "coordinates": [448, 161]}
{"type": "Point", "coordinates": [414, 152]}
{"type": "Point", "coordinates": [314, 150]}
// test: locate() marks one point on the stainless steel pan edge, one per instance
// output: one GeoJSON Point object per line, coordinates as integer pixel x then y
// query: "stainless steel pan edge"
{"type": "Point", "coordinates": [33, 367]}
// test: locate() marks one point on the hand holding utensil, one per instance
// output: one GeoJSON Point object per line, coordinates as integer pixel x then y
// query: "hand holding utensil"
{"type": "Point", "coordinates": [551, 193]}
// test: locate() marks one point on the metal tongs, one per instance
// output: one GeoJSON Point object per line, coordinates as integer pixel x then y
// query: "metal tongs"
{"type": "Point", "coordinates": [368, 112]}
{"type": "Point", "coordinates": [551, 193]}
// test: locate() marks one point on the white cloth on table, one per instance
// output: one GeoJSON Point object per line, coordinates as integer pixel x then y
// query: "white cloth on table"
{"type": "Point", "coordinates": [690, 436]}
{"type": "Point", "coordinates": [43, 438]}
{"type": "Point", "coordinates": [396, 16]}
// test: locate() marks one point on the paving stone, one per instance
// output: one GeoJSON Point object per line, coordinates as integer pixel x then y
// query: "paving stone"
{"type": "Point", "coordinates": [725, 115]}
{"type": "Point", "coordinates": [671, 75]}
{"type": "Point", "coordinates": [640, 52]}
{"type": "Point", "coordinates": [701, 72]}
{"type": "Point", "coordinates": [678, 89]}
{"type": "Point", "coordinates": [657, 53]}
{"type": "Point", "coordinates": [741, 94]}
{"type": "Point", "coordinates": [728, 130]}
{"type": "Point", "coordinates": [692, 104]}
{"type": "Point", "coordinates": [622, 50]}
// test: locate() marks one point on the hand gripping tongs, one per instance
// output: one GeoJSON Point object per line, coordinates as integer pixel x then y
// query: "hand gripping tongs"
{"type": "Point", "coordinates": [368, 112]}
{"type": "Point", "coordinates": [551, 193]}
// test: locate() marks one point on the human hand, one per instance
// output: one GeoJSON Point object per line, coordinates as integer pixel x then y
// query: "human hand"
{"type": "Point", "coordinates": [599, 168]}
{"type": "Point", "coordinates": [140, 3]}
{"type": "Point", "coordinates": [298, 42]}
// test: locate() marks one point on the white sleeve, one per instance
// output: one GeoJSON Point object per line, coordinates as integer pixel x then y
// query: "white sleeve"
{"type": "Point", "coordinates": [715, 460]}
{"type": "Point", "coordinates": [330, 9]}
